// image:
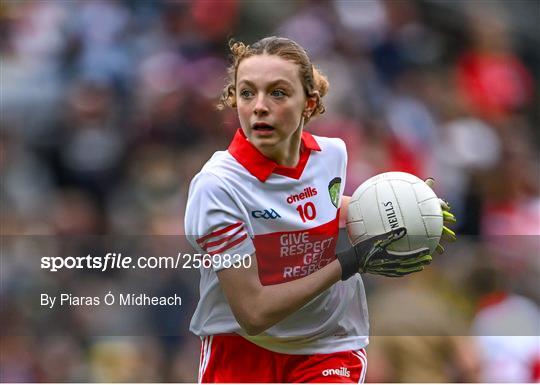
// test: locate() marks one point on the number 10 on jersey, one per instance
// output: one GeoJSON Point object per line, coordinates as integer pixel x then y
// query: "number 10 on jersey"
{"type": "Point", "coordinates": [307, 211]}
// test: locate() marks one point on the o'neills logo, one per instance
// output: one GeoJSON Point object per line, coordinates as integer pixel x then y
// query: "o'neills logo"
{"type": "Point", "coordinates": [307, 193]}
{"type": "Point", "coordinates": [344, 372]}
{"type": "Point", "coordinates": [391, 214]}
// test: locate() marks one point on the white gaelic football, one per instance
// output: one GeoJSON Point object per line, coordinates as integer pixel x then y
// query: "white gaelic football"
{"type": "Point", "coordinates": [391, 200]}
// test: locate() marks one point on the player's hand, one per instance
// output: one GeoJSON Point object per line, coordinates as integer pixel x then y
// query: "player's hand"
{"type": "Point", "coordinates": [371, 256]}
{"type": "Point", "coordinates": [448, 219]}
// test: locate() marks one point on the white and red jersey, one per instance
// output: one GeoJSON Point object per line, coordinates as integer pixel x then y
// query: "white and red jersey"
{"type": "Point", "coordinates": [242, 203]}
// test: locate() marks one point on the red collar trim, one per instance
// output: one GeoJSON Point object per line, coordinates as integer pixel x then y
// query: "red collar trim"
{"type": "Point", "coordinates": [260, 166]}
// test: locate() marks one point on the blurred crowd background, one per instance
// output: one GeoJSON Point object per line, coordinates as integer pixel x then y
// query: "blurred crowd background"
{"type": "Point", "coordinates": [108, 110]}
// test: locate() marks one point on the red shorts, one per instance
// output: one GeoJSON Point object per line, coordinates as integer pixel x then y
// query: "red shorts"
{"type": "Point", "coordinates": [231, 358]}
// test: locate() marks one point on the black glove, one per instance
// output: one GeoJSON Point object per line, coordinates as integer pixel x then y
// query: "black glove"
{"type": "Point", "coordinates": [371, 256]}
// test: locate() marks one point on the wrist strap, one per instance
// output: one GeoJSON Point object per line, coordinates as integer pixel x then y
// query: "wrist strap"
{"type": "Point", "coordinates": [349, 263]}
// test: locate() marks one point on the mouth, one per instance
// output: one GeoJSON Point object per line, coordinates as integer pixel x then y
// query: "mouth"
{"type": "Point", "coordinates": [262, 127]}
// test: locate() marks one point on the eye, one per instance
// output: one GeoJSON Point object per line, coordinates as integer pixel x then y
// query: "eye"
{"type": "Point", "coordinates": [246, 94]}
{"type": "Point", "coordinates": [278, 93]}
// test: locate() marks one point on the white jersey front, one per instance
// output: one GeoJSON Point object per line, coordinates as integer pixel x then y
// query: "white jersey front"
{"type": "Point", "coordinates": [241, 204]}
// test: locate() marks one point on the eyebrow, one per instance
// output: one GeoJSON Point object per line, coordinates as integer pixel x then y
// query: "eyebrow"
{"type": "Point", "coordinates": [273, 83]}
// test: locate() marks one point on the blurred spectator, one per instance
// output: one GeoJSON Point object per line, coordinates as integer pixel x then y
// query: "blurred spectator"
{"type": "Point", "coordinates": [506, 329]}
{"type": "Point", "coordinates": [93, 145]}
{"type": "Point", "coordinates": [513, 207]}
{"type": "Point", "coordinates": [492, 78]}
{"type": "Point", "coordinates": [125, 360]}
{"type": "Point", "coordinates": [423, 338]}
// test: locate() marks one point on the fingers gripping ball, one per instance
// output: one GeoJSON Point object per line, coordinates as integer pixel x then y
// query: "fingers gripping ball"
{"type": "Point", "coordinates": [392, 200]}
{"type": "Point", "coordinates": [448, 219]}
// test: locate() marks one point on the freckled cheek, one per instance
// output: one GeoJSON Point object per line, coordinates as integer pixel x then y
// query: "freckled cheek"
{"type": "Point", "coordinates": [292, 118]}
{"type": "Point", "coordinates": [243, 113]}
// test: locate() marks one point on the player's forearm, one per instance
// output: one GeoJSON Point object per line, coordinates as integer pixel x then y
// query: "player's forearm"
{"type": "Point", "coordinates": [273, 303]}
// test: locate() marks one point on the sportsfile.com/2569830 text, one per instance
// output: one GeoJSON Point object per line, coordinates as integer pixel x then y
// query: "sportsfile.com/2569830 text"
{"type": "Point", "coordinates": [118, 261]}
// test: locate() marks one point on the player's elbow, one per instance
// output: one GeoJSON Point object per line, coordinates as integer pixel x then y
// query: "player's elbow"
{"type": "Point", "coordinates": [253, 324]}
{"type": "Point", "coordinates": [252, 318]}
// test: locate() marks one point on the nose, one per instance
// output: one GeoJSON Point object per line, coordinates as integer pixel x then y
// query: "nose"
{"type": "Point", "coordinates": [261, 107]}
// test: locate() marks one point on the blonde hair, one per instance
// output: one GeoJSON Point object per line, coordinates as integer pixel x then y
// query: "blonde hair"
{"type": "Point", "coordinates": [313, 81]}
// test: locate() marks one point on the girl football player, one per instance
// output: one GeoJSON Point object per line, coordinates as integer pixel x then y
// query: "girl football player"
{"type": "Point", "coordinates": [277, 304]}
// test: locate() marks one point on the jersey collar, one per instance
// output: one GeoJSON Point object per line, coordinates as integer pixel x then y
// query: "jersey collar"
{"type": "Point", "coordinates": [260, 166]}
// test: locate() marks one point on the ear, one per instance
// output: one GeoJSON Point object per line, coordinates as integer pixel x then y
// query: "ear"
{"type": "Point", "coordinates": [231, 98]}
{"type": "Point", "coordinates": [311, 104]}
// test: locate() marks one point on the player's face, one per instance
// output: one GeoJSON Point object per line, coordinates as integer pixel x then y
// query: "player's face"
{"type": "Point", "coordinates": [270, 101]}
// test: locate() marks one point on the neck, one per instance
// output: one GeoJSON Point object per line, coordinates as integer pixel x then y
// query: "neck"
{"type": "Point", "coordinates": [288, 153]}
